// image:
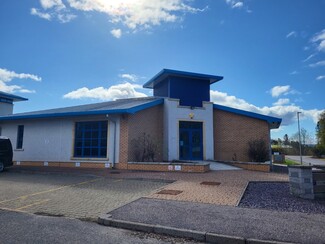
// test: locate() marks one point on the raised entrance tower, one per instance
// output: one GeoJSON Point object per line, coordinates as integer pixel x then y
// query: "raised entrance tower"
{"type": "Point", "coordinates": [188, 113]}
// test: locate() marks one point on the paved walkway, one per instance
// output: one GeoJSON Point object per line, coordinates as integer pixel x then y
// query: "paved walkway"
{"type": "Point", "coordinates": [220, 166]}
{"type": "Point", "coordinates": [307, 160]}
{"type": "Point", "coordinates": [221, 220]}
{"type": "Point", "coordinates": [228, 192]}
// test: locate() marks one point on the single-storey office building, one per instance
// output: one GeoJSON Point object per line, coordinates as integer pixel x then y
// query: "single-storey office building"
{"type": "Point", "coordinates": [179, 122]}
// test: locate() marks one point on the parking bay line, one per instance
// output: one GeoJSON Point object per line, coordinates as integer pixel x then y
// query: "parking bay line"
{"type": "Point", "coordinates": [33, 204]}
{"type": "Point", "coordinates": [51, 190]}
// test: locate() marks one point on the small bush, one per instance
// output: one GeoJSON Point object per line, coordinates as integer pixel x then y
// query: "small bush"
{"type": "Point", "coordinates": [258, 151]}
{"type": "Point", "coordinates": [144, 148]}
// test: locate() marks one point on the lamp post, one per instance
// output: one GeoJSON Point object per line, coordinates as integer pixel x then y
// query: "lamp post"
{"type": "Point", "coordinates": [299, 138]}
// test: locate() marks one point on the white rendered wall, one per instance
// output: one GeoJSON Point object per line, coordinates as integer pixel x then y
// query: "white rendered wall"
{"type": "Point", "coordinates": [52, 140]}
{"type": "Point", "coordinates": [173, 113]}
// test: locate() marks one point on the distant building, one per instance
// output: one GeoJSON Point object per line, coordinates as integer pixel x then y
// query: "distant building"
{"type": "Point", "coordinates": [179, 119]}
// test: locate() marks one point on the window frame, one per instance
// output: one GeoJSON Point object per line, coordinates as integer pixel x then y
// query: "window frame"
{"type": "Point", "coordinates": [20, 137]}
{"type": "Point", "coordinates": [87, 146]}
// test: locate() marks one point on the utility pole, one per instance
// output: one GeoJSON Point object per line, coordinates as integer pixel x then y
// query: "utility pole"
{"type": "Point", "coordinates": [299, 137]}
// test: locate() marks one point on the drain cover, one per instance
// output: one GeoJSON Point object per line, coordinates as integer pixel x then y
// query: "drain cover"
{"type": "Point", "coordinates": [170, 192]}
{"type": "Point", "coordinates": [114, 172]}
{"type": "Point", "coordinates": [210, 183]}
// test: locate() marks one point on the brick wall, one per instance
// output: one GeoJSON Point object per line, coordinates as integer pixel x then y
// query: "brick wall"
{"type": "Point", "coordinates": [253, 166]}
{"type": "Point", "coordinates": [149, 121]}
{"type": "Point", "coordinates": [61, 164]}
{"type": "Point", "coordinates": [232, 133]}
{"type": "Point", "coordinates": [165, 167]}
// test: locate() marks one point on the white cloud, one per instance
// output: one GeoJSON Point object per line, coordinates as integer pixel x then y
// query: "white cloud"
{"type": "Point", "coordinates": [288, 113]}
{"type": "Point", "coordinates": [321, 77]}
{"type": "Point", "coordinates": [53, 9]}
{"type": "Point", "coordinates": [281, 101]}
{"type": "Point", "coordinates": [235, 3]}
{"type": "Point", "coordinates": [279, 90]}
{"type": "Point", "coordinates": [238, 5]}
{"type": "Point", "coordinates": [116, 33]}
{"type": "Point", "coordinates": [309, 57]}
{"type": "Point", "coordinates": [27, 91]}
{"type": "Point", "coordinates": [319, 40]}
{"type": "Point", "coordinates": [320, 63]}
{"type": "Point", "coordinates": [126, 90]}
{"type": "Point", "coordinates": [36, 12]}
{"type": "Point", "coordinates": [291, 34]}
{"type": "Point", "coordinates": [7, 76]}
{"type": "Point", "coordinates": [46, 4]}
{"type": "Point", "coordinates": [130, 77]}
{"type": "Point", "coordinates": [131, 13]}
{"type": "Point", "coordinates": [293, 72]}
{"type": "Point", "coordinates": [65, 17]}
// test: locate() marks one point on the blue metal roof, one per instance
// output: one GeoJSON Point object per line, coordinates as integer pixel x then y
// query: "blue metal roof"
{"type": "Point", "coordinates": [12, 97]}
{"type": "Point", "coordinates": [273, 121]}
{"type": "Point", "coordinates": [121, 106]}
{"type": "Point", "coordinates": [169, 72]}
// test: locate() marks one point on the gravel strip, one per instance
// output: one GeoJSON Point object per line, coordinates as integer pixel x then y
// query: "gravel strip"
{"type": "Point", "coordinates": [276, 196]}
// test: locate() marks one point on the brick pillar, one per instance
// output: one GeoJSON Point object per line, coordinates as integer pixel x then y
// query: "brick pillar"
{"type": "Point", "coordinates": [124, 143]}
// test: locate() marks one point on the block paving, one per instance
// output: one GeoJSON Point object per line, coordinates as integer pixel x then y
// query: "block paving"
{"type": "Point", "coordinates": [228, 192]}
{"type": "Point", "coordinates": [85, 194]}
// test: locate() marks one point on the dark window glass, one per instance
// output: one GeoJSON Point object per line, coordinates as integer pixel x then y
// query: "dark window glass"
{"type": "Point", "coordinates": [91, 139]}
{"type": "Point", "coordinates": [20, 137]}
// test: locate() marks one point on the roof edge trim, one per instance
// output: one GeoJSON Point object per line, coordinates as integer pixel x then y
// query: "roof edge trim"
{"type": "Point", "coordinates": [169, 72]}
{"type": "Point", "coordinates": [12, 97]}
{"type": "Point", "coordinates": [72, 114]}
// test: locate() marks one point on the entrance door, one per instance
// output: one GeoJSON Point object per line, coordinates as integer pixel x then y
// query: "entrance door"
{"type": "Point", "coordinates": [190, 140]}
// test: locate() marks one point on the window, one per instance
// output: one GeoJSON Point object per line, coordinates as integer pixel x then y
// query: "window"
{"type": "Point", "coordinates": [91, 139]}
{"type": "Point", "coordinates": [20, 137]}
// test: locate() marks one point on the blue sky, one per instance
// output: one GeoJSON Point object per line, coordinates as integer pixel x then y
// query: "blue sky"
{"type": "Point", "coordinates": [67, 52]}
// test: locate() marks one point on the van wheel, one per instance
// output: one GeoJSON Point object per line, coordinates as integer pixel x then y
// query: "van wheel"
{"type": "Point", "coordinates": [1, 167]}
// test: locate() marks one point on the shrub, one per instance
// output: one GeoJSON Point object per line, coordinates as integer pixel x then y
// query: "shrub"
{"type": "Point", "coordinates": [258, 151]}
{"type": "Point", "coordinates": [144, 148]}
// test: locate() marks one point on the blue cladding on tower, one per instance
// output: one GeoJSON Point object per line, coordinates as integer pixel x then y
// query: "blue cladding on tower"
{"type": "Point", "coordinates": [190, 88]}
{"type": "Point", "coordinates": [191, 92]}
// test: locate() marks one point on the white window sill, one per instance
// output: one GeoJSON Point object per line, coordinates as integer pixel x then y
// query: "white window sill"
{"type": "Point", "coordinates": [90, 159]}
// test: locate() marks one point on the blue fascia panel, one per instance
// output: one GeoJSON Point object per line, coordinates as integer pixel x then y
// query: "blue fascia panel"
{"type": "Point", "coordinates": [132, 110]}
{"type": "Point", "coordinates": [169, 72]}
{"type": "Point", "coordinates": [273, 121]}
{"type": "Point", "coordinates": [6, 100]}
{"type": "Point", "coordinates": [12, 97]}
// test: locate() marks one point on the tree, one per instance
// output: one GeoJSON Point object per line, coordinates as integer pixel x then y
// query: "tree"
{"type": "Point", "coordinates": [320, 130]}
{"type": "Point", "coordinates": [286, 140]}
{"type": "Point", "coordinates": [274, 142]}
{"type": "Point", "coordinates": [305, 137]}
{"type": "Point", "coordinates": [306, 141]}
{"type": "Point", "coordinates": [319, 150]}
